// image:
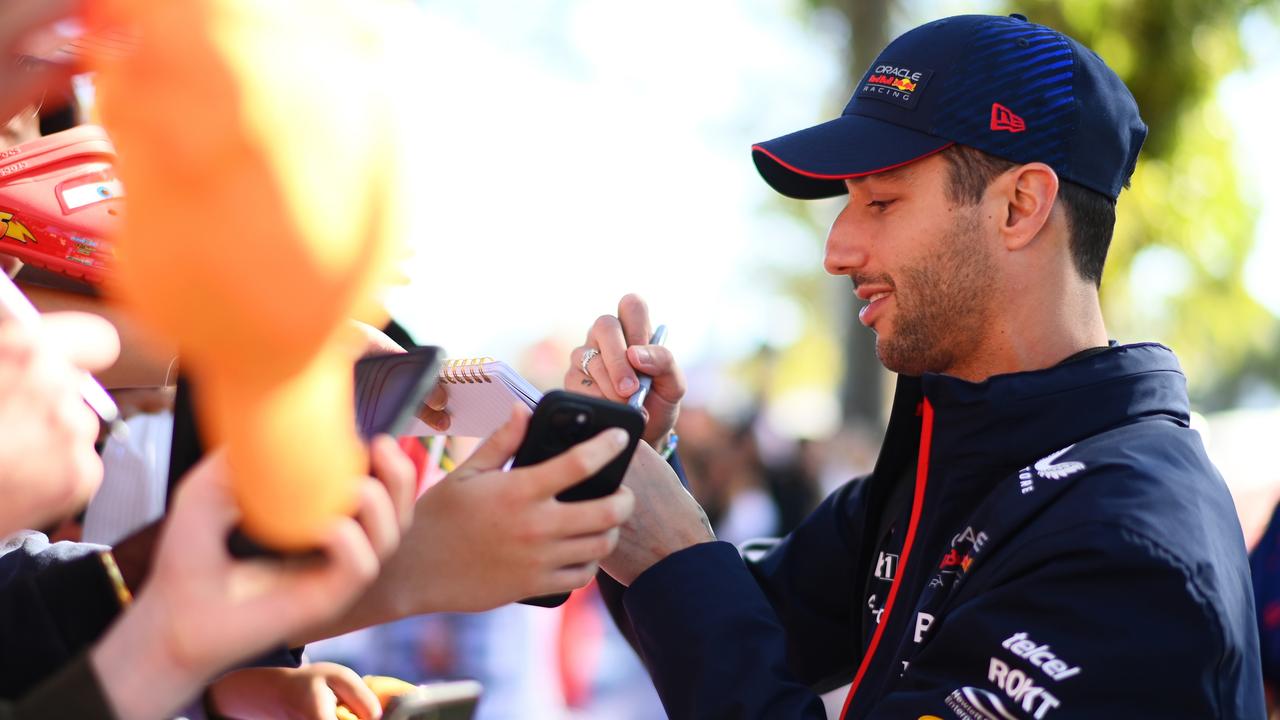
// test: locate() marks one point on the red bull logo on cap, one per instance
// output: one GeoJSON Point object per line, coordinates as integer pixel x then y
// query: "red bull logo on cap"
{"type": "Point", "coordinates": [902, 84]}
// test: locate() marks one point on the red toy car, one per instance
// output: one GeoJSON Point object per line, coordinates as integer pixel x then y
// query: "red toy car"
{"type": "Point", "coordinates": [59, 201]}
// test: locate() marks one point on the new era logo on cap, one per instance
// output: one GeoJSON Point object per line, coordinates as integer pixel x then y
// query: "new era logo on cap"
{"type": "Point", "coordinates": [1002, 118]}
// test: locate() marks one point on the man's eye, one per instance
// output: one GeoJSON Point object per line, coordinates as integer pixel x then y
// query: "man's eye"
{"type": "Point", "coordinates": [880, 205]}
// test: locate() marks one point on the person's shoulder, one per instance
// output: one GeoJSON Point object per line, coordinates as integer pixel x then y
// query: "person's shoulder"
{"type": "Point", "coordinates": [1147, 492]}
{"type": "Point", "coordinates": [1149, 475]}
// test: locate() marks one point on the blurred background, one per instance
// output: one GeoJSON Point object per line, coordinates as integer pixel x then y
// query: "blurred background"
{"type": "Point", "coordinates": [575, 150]}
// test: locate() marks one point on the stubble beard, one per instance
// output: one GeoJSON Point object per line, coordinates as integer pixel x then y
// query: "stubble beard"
{"type": "Point", "coordinates": [942, 315]}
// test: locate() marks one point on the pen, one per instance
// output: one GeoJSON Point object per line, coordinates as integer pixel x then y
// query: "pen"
{"type": "Point", "coordinates": [637, 398]}
{"type": "Point", "coordinates": [20, 310]}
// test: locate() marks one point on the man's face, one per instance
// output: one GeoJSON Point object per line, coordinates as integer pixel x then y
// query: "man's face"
{"type": "Point", "coordinates": [923, 263]}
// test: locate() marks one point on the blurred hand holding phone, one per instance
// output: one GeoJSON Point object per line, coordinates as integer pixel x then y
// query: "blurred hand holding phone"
{"type": "Point", "coordinates": [562, 420]}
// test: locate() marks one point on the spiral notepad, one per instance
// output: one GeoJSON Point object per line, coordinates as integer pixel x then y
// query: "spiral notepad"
{"type": "Point", "coordinates": [481, 391]}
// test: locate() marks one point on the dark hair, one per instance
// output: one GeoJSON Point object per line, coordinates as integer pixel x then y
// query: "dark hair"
{"type": "Point", "coordinates": [1091, 216]}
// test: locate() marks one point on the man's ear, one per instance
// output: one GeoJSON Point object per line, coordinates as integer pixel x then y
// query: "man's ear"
{"type": "Point", "coordinates": [1027, 194]}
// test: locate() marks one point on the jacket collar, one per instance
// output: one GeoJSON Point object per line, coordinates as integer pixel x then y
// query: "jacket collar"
{"type": "Point", "coordinates": [1008, 421]}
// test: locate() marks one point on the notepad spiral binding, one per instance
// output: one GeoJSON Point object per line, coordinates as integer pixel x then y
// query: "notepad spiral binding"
{"type": "Point", "coordinates": [465, 370]}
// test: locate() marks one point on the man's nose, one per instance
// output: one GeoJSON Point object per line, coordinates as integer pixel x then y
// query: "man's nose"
{"type": "Point", "coordinates": [846, 247]}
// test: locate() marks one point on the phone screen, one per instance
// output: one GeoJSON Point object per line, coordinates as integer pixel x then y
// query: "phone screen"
{"type": "Point", "coordinates": [390, 388]}
{"type": "Point", "coordinates": [455, 700]}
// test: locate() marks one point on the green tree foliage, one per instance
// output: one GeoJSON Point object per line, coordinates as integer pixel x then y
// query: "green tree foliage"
{"type": "Point", "coordinates": [1188, 217]}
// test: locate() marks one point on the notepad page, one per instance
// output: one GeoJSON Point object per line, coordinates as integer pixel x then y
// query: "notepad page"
{"type": "Point", "coordinates": [514, 382]}
{"type": "Point", "coordinates": [480, 398]}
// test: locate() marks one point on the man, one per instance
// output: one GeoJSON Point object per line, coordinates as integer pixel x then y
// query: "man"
{"type": "Point", "coordinates": [1042, 536]}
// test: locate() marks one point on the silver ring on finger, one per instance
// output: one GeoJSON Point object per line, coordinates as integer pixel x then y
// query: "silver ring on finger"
{"type": "Point", "coordinates": [587, 357]}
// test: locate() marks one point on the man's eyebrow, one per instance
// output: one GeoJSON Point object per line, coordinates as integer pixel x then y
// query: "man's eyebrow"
{"type": "Point", "coordinates": [898, 174]}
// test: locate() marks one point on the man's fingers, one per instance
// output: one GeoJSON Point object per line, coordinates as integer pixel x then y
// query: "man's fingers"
{"type": "Point", "coordinates": [494, 452]}
{"type": "Point", "coordinates": [652, 360]}
{"type": "Point", "coordinates": [633, 313]}
{"type": "Point", "coordinates": [350, 563]}
{"type": "Point", "coordinates": [618, 379]}
{"type": "Point", "coordinates": [438, 399]}
{"type": "Point", "coordinates": [377, 515]}
{"type": "Point", "coordinates": [588, 517]}
{"type": "Point", "coordinates": [396, 471]}
{"type": "Point", "coordinates": [433, 410]}
{"type": "Point", "coordinates": [204, 494]}
{"type": "Point", "coordinates": [87, 467]}
{"type": "Point", "coordinates": [307, 592]}
{"type": "Point", "coordinates": [324, 702]}
{"type": "Point", "coordinates": [87, 340]}
{"type": "Point", "coordinates": [436, 419]}
{"type": "Point", "coordinates": [570, 578]}
{"type": "Point", "coordinates": [584, 549]}
{"type": "Point", "coordinates": [583, 383]}
{"type": "Point", "coordinates": [351, 690]}
{"type": "Point", "coordinates": [659, 363]}
{"type": "Point", "coordinates": [375, 342]}
{"type": "Point", "coordinates": [575, 464]}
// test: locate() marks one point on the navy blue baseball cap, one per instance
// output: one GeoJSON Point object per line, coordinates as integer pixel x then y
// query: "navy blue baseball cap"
{"type": "Point", "coordinates": [1002, 85]}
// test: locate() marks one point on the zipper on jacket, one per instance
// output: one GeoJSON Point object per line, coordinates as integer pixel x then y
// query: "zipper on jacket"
{"type": "Point", "coordinates": [917, 505]}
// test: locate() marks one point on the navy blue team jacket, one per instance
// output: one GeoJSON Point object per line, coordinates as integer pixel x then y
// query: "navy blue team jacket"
{"type": "Point", "coordinates": [1064, 549]}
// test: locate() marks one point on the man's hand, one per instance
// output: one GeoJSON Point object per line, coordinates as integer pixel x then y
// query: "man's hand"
{"type": "Point", "coordinates": [201, 610]}
{"type": "Point", "coordinates": [310, 692]}
{"type": "Point", "coordinates": [482, 537]}
{"type": "Point", "coordinates": [434, 411]}
{"type": "Point", "coordinates": [377, 342]}
{"type": "Point", "coordinates": [623, 346]}
{"type": "Point", "coordinates": [666, 518]}
{"type": "Point", "coordinates": [374, 341]}
{"type": "Point", "coordinates": [48, 467]}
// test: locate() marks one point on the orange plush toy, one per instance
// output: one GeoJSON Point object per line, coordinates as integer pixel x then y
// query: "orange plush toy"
{"type": "Point", "coordinates": [257, 146]}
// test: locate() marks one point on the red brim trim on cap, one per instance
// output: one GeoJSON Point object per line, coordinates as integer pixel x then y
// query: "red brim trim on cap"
{"type": "Point", "coordinates": [820, 176]}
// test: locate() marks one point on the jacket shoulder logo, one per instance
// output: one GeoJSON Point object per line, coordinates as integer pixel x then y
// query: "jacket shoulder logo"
{"type": "Point", "coordinates": [1048, 468]}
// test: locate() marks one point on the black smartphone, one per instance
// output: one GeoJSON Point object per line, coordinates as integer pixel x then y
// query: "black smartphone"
{"type": "Point", "coordinates": [454, 700]}
{"type": "Point", "coordinates": [562, 420]}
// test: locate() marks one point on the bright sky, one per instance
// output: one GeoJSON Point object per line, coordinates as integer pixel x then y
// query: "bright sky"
{"type": "Point", "coordinates": [574, 150]}
{"type": "Point", "coordinates": [581, 150]}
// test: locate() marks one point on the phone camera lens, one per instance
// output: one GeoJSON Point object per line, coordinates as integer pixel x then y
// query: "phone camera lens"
{"type": "Point", "coordinates": [581, 418]}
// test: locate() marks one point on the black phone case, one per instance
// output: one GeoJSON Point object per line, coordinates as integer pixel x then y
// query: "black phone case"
{"type": "Point", "coordinates": [563, 420]}
{"type": "Point", "coordinates": [391, 387]}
